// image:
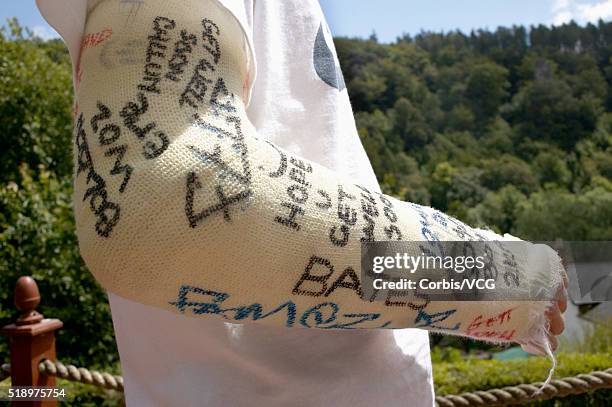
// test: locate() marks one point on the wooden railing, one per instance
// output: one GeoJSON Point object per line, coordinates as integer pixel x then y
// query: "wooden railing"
{"type": "Point", "coordinates": [32, 340]}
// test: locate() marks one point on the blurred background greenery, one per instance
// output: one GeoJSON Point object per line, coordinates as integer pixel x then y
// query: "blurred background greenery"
{"type": "Point", "coordinates": [510, 129]}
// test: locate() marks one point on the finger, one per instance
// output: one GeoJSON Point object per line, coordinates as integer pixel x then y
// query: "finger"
{"type": "Point", "coordinates": [562, 303]}
{"type": "Point", "coordinates": [532, 349]}
{"type": "Point", "coordinates": [557, 325]}
{"type": "Point", "coordinates": [537, 349]}
{"type": "Point", "coordinates": [562, 300]}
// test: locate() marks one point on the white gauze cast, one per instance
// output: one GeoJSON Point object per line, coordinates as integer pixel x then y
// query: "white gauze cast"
{"type": "Point", "coordinates": [181, 206]}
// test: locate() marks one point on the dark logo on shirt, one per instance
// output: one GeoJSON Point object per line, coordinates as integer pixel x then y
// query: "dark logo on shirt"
{"type": "Point", "coordinates": [325, 63]}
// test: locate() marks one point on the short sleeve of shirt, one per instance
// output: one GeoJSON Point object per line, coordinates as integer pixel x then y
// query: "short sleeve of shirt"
{"type": "Point", "coordinates": [68, 18]}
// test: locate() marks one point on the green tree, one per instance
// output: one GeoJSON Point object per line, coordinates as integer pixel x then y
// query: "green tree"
{"type": "Point", "coordinates": [551, 168]}
{"type": "Point", "coordinates": [35, 104]}
{"type": "Point", "coordinates": [487, 88]}
{"type": "Point", "coordinates": [410, 124]}
{"type": "Point", "coordinates": [546, 109]}
{"type": "Point", "coordinates": [498, 209]}
{"type": "Point", "coordinates": [509, 170]}
{"type": "Point", "coordinates": [558, 214]}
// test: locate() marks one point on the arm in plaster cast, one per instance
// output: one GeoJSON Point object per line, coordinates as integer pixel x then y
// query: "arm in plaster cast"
{"type": "Point", "coordinates": [180, 205]}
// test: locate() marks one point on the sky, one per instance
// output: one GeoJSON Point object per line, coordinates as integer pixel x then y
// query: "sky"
{"type": "Point", "coordinates": [393, 18]}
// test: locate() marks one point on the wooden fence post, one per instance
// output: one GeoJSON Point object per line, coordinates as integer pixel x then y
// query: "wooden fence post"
{"type": "Point", "coordinates": [32, 339]}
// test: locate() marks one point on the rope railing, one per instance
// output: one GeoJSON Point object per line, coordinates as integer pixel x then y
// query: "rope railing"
{"type": "Point", "coordinates": [506, 396]}
{"type": "Point", "coordinates": [72, 373]}
{"type": "Point", "coordinates": [523, 393]}
{"type": "Point", "coordinates": [81, 374]}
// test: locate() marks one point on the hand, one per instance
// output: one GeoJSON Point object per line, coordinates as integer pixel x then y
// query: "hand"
{"type": "Point", "coordinates": [555, 321]}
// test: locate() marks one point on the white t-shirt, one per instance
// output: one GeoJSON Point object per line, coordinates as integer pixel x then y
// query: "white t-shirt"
{"type": "Point", "coordinates": [299, 101]}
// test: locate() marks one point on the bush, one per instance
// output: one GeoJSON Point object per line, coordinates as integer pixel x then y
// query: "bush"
{"type": "Point", "coordinates": [473, 374]}
{"type": "Point", "coordinates": [37, 238]}
{"type": "Point", "coordinates": [35, 104]}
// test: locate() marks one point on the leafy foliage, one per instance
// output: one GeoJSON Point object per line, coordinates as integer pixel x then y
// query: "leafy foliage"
{"type": "Point", "coordinates": [507, 129]}
{"type": "Point", "coordinates": [35, 103]}
{"type": "Point", "coordinates": [37, 238]}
